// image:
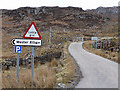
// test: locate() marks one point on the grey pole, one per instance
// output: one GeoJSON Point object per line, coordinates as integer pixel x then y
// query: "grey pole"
{"type": "Point", "coordinates": [50, 37]}
{"type": "Point", "coordinates": [32, 62]}
{"type": "Point", "coordinates": [17, 73]}
{"type": "Point", "coordinates": [82, 39]}
{"type": "Point", "coordinates": [91, 45]}
{"type": "Point", "coordinates": [96, 44]}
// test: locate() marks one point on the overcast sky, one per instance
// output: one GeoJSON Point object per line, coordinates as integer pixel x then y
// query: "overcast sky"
{"type": "Point", "coordinates": [85, 4]}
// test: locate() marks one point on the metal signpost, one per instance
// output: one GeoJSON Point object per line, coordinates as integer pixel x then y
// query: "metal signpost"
{"type": "Point", "coordinates": [50, 36]}
{"type": "Point", "coordinates": [31, 38]}
{"type": "Point", "coordinates": [17, 50]}
{"type": "Point", "coordinates": [96, 42]}
{"type": "Point", "coordinates": [33, 33]}
{"type": "Point", "coordinates": [91, 45]}
{"type": "Point", "coordinates": [82, 39]}
{"type": "Point", "coordinates": [94, 39]}
{"type": "Point", "coordinates": [32, 64]}
{"type": "Point", "coordinates": [17, 73]}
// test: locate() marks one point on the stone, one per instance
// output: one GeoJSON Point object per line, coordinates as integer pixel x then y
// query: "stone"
{"type": "Point", "coordinates": [61, 85]}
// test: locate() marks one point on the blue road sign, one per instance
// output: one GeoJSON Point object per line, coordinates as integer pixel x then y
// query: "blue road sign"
{"type": "Point", "coordinates": [18, 49]}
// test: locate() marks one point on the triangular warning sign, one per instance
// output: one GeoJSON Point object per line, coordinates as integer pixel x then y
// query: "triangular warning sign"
{"type": "Point", "coordinates": [32, 32]}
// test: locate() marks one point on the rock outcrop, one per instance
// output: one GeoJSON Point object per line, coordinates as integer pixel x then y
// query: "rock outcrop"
{"type": "Point", "coordinates": [106, 11]}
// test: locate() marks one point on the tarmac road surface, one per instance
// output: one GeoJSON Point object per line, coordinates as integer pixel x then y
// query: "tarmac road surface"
{"type": "Point", "coordinates": [97, 71]}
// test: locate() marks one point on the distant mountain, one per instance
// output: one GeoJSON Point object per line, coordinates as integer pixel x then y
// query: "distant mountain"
{"type": "Point", "coordinates": [106, 11]}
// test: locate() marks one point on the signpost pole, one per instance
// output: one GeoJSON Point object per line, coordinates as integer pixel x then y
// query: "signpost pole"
{"type": "Point", "coordinates": [82, 39]}
{"type": "Point", "coordinates": [96, 44]}
{"type": "Point", "coordinates": [32, 62]}
{"type": "Point", "coordinates": [17, 73]}
{"type": "Point", "coordinates": [91, 45]}
{"type": "Point", "coordinates": [50, 37]}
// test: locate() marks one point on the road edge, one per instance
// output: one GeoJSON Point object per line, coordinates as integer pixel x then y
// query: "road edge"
{"type": "Point", "coordinates": [78, 72]}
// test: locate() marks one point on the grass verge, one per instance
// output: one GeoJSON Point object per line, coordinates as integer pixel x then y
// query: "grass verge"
{"type": "Point", "coordinates": [106, 54]}
{"type": "Point", "coordinates": [45, 76]}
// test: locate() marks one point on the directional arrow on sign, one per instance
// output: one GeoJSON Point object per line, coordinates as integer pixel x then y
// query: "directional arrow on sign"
{"type": "Point", "coordinates": [26, 42]}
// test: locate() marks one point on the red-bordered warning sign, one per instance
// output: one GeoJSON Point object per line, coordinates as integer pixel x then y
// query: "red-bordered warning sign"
{"type": "Point", "coordinates": [32, 32]}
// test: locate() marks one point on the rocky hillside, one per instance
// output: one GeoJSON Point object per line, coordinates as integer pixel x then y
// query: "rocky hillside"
{"type": "Point", "coordinates": [67, 23]}
{"type": "Point", "coordinates": [69, 18]}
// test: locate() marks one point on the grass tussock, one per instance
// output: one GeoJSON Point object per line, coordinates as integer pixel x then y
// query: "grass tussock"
{"type": "Point", "coordinates": [68, 68]}
{"type": "Point", "coordinates": [54, 63]}
{"type": "Point", "coordinates": [44, 77]}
